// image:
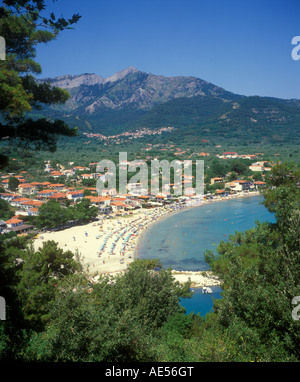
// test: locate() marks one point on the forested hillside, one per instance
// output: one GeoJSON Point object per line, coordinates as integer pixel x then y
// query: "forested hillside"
{"type": "Point", "coordinates": [132, 100]}
{"type": "Point", "coordinates": [56, 314]}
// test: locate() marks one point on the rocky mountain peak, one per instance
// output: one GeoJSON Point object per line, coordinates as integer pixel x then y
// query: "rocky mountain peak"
{"type": "Point", "coordinates": [72, 81]}
{"type": "Point", "coordinates": [121, 74]}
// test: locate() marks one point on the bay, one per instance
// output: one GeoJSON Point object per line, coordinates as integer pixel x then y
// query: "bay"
{"type": "Point", "coordinates": [201, 303]}
{"type": "Point", "coordinates": [180, 240]}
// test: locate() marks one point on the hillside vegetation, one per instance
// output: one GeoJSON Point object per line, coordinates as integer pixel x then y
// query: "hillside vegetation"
{"type": "Point", "coordinates": [132, 100]}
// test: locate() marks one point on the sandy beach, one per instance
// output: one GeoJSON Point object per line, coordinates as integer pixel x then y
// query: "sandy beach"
{"type": "Point", "coordinates": [107, 246]}
{"type": "Point", "coordinates": [198, 279]}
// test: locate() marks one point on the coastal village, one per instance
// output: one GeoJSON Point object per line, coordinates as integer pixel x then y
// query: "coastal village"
{"type": "Point", "coordinates": [26, 196]}
{"type": "Point", "coordinates": [109, 241]}
{"type": "Point", "coordinates": [149, 215]}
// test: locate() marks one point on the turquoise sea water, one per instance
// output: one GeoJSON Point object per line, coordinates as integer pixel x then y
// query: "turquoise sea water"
{"type": "Point", "coordinates": [181, 239]}
{"type": "Point", "coordinates": [201, 302]}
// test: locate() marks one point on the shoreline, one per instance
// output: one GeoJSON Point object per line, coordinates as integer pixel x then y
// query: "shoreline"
{"type": "Point", "coordinates": [204, 202]}
{"type": "Point", "coordinates": [108, 246]}
{"type": "Point", "coordinates": [199, 279]}
{"type": "Point", "coordinates": [203, 278]}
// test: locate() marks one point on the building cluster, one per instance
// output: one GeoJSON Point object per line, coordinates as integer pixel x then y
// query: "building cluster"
{"type": "Point", "coordinates": [28, 197]}
{"type": "Point", "coordinates": [119, 138]}
{"type": "Point", "coordinates": [234, 155]}
{"type": "Point", "coordinates": [236, 186]}
{"type": "Point", "coordinates": [260, 166]}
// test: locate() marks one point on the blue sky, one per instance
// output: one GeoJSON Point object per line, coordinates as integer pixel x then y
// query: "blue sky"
{"type": "Point", "coordinates": [241, 45]}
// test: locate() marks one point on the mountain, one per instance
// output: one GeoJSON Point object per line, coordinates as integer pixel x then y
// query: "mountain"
{"type": "Point", "coordinates": [130, 88]}
{"type": "Point", "coordinates": [132, 99]}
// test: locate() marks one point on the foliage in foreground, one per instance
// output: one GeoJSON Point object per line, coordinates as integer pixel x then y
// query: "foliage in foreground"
{"type": "Point", "coordinates": [55, 314]}
{"type": "Point", "coordinates": [111, 321]}
{"type": "Point", "coordinates": [24, 25]}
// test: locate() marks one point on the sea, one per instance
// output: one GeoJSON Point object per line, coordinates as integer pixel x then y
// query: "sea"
{"type": "Point", "coordinates": [180, 240]}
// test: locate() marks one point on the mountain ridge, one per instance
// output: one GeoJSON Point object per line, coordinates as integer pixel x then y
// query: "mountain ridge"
{"type": "Point", "coordinates": [132, 88]}
{"type": "Point", "coordinates": [134, 99]}
{"type": "Point", "coordinates": [75, 80]}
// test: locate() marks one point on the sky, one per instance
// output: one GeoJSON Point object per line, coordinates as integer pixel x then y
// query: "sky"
{"type": "Point", "coordinates": [243, 46]}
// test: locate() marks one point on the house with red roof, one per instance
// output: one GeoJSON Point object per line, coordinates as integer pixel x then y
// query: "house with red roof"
{"type": "Point", "coordinates": [57, 186]}
{"type": "Point", "coordinates": [37, 184]}
{"type": "Point", "coordinates": [17, 225]}
{"type": "Point", "coordinates": [8, 196]}
{"type": "Point", "coordinates": [216, 180]}
{"type": "Point", "coordinates": [143, 198]}
{"type": "Point", "coordinates": [33, 211]}
{"type": "Point", "coordinates": [58, 196]}
{"type": "Point", "coordinates": [87, 176]}
{"type": "Point", "coordinates": [118, 205]}
{"type": "Point", "coordinates": [110, 192]}
{"type": "Point", "coordinates": [4, 183]}
{"type": "Point", "coordinates": [13, 223]}
{"type": "Point", "coordinates": [45, 194]}
{"type": "Point", "coordinates": [68, 172]}
{"type": "Point", "coordinates": [56, 174]}
{"type": "Point", "coordinates": [160, 198]}
{"type": "Point", "coordinates": [75, 195]}
{"type": "Point", "coordinates": [203, 154]}
{"type": "Point", "coordinates": [256, 167]}
{"type": "Point", "coordinates": [27, 189]}
{"type": "Point", "coordinates": [17, 202]}
{"type": "Point", "coordinates": [230, 154]}
{"type": "Point", "coordinates": [239, 185]}
{"type": "Point", "coordinates": [28, 204]}
{"type": "Point", "coordinates": [259, 184]}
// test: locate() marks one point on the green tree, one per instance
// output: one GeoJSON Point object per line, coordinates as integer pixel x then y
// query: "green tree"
{"type": "Point", "coordinates": [13, 183]}
{"type": "Point", "coordinates": [232, 176]}
{"type": "Point", "coordinates": [217, 169]}
{"type": "Point", "coordinates": [83, 330]}
{"type": "Point", "coordinates": [83, 211]}
{"type": "Point", "coordinates": [153, 296]}
{"type": "Point", "coordinates": [115, 320]}
{"type": "Point", "coordinates": [260, 271]}
{"type": "Point", "coordinates": [215, 186]}
{"type": "Point", "coordinates": [13, 329]}
{"type": "Point", "coordinates": [283, 194]}
{"type": "Point", "coordinates": [89, 182]}
{"type": "Point", "coordinates": [5, 210]}
{"type": "Point", "coordinates": [238, 166]}
{"type": "Point", "coordinates": [39, 275]}
{"type": "Point", "coordinates": [87, 192]}
{"type": "Point", "coordinates": [23, 26]}
{"type": "Point", "coordinates": [51, 215]}
{"type": "Point", "coordinates": [257, 176]}
{"type": "Point", "coordinates": [285, 174]}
